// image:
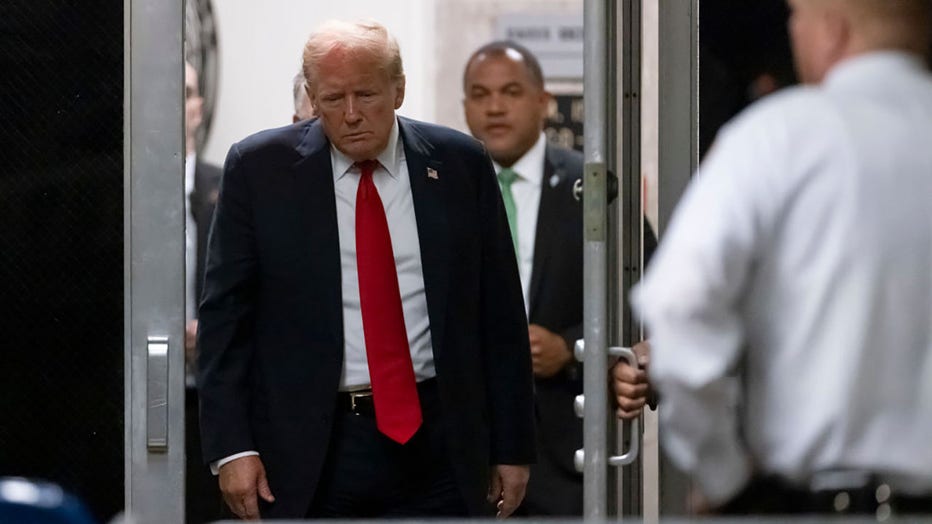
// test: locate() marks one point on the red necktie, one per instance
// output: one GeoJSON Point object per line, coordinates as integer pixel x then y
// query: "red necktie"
{"type": "Point", "coordinates": [394, 388]}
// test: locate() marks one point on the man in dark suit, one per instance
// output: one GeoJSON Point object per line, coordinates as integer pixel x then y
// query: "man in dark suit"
{"type": "Point", "coordinates": [505, 105]}
{"type": "Point", "coordinates": [363, 346]}
{"type": "Point", "coordinates": [201, 182]}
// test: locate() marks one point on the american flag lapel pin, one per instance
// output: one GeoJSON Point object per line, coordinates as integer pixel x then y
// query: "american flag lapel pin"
{"type": "Point", "coordinates": [432, 173]}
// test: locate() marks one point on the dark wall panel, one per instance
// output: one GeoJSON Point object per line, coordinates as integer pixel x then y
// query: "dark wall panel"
{"type": "Point", "coordinates": [738, 42]}
{"type": "Point", "coordinates": [61, 246]}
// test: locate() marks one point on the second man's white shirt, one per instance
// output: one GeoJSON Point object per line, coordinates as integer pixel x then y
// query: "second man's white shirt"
{"type": "Point", "coordinates": [526, 192]}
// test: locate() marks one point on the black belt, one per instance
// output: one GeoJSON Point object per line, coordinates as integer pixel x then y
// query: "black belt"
{"type": "Point", "coordinates": [360, 402]}
{"type": "Point", "coordinates": [771, 495]}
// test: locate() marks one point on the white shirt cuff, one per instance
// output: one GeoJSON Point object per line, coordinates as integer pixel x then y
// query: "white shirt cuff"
{"type": "Point", "coordinates": [216, 465]}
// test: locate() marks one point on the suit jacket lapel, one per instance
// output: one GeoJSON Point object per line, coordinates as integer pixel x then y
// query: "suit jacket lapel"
{"type": "Point", "coordinates": [317, 226]}
{"type": "Point", "coordinates": [432, 226]}
{"type": "Point", "coordinates": [547, 222]}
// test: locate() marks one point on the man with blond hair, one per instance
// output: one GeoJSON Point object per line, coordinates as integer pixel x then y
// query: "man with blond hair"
{"type": "Point", "coordinates": [801, 258]}
{"type": "Point", "coordinates": [364, 348]}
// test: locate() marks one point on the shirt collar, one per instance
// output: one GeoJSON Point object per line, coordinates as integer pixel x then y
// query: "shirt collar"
{"type": "Point", "coordinates": [530, 167]}
{"type": "Point", "coordinates": [190, 166]}
{"type": "Point", "coordinates": [876, 64]}
{"type": "Point", "coordinates": [390, 157]}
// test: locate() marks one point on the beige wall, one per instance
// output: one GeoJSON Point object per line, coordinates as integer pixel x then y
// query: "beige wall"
{"type": "Point", "coordinates": [461, 27]}
{"type": "Point", "coordinates": [260, 47]}
{"type": "Point", "coordinates": [650, 109]}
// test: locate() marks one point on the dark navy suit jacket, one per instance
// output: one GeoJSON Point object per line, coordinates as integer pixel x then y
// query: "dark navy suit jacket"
{"type": "Point", "coordinates": [271, 327]}
{"type": "Point", "coordinates": [556, 303]}
{"type": "Point", "coordinates": [202, 202]}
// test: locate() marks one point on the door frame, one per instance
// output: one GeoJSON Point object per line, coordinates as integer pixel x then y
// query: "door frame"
{"type": "Point", "coordinates": [677, 160]}
{"type": "Point", "coordinates": [154, 259]}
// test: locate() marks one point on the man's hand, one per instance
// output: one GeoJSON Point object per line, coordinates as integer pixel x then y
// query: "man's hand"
{"type": "Point", "coordinates": [697, 503]}
{"type": "Point", "coordinates": [190, 342]}
{"type": "Point", "coordinates": [549, 352]}
{"type": "Point", "coordinates": [240, 481]}
{"type": "Point", "coordinates": [507, 487]}
{"type": "Point", "coordinates": [630, 385]}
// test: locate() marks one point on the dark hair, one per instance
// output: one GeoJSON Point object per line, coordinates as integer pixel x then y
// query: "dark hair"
{"type": "Point", "coordinates": [501, 48]}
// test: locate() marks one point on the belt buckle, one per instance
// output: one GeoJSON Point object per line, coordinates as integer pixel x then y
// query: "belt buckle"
{"type": "Point", "coordinates": [354, 395]}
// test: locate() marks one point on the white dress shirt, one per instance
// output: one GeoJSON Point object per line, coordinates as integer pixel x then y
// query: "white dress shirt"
{"type": "Point", "coordinates": [190, 240]}
{"type": "Point", "coordinates": [190, 254]}
{"type": "Point", "coordinates": [802, 256]}
{"type": "Point", "coordinates": [393, 183]}
{"type": "Point", "coordinates": [526, 192]}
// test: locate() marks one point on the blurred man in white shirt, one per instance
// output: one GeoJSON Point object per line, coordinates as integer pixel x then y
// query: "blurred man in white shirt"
{"type": "Point", "coordinates": [801, 256]}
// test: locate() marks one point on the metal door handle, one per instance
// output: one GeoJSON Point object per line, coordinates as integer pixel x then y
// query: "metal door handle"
{"type": "Point", "coordinates": [634, 428]}
{"type": "Point", "coordinates": [579, 404]}
{"type": "Point", "coordinates": [157, 394]}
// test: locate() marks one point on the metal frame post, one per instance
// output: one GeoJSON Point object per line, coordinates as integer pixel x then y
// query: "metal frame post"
{"type": "Point", "coordinates": [679, 102]}
{"type": "Point", "coordinates": [678, 157]}
{"type": "Point", "coordinates": [612, 248]}
{"type": "Point", "coordinates": [154, 254]}
{"type": "Point", "coordinates": [626, 224]}
{"type": "Point", "coordinates": [595, 260]}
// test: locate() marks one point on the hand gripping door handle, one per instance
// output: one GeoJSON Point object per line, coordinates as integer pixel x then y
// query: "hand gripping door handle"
{"type": "Point", "coordinates": [634, 430]}
{"type": "Point", "coordinates": [631, 454]}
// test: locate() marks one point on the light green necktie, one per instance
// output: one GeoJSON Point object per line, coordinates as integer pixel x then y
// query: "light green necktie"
{"type": "Point", "coordinates": [506, 177]}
